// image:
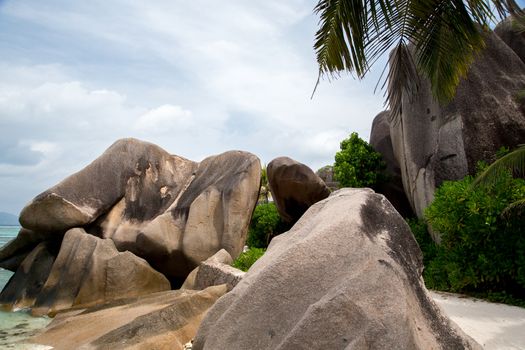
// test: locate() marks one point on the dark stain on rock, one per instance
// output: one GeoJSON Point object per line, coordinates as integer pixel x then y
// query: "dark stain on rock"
{"type": "Point", "coordinates": [379, 217]}
{"type": "Point", "coordinates": [222, 172]}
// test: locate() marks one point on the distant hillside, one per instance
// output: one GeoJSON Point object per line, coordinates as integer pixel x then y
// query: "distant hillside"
{"type": "Point", "coordinates": [7, 219]}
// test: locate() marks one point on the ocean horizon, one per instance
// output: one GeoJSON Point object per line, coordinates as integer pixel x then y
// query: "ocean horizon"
{"type": "Point", "coordinates": [18, 325]}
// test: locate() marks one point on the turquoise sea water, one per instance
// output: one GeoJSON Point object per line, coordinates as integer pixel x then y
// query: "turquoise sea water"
{"type": "Point", "coordinates": [6, 234]}
{"type": "Point", "coordinates": [16, 326]}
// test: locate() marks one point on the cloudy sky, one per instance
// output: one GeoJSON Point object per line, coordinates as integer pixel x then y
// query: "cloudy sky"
{"type": "Point", "coordinates": [195, 77]}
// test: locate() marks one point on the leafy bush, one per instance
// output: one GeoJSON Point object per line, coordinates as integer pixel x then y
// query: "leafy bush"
{"type": "Point", "coordinates": [248, 258]}
{"type": "Point", "coordinates": [428, 247]}
{"type": "Point", "coordinates": [480, 250]}
{"type": "Point", "coordinates": [357, 164]}
{"type": "Point", "coordinates": [265, 224]}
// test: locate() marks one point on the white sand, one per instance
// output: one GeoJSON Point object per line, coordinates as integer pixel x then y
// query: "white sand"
{"type": "Point", "coordinates": [494, 326]}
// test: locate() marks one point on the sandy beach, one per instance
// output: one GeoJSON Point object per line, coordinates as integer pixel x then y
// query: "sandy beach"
{"type": "Point", "coordinates": [494, 326]}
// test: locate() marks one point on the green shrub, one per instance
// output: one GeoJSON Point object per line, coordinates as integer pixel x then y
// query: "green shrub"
{"type": "Point", "coordinates": [248, 258]}
{"type": "Point", "coordinates": [357, 164]}
{"type": "Point", "coordinates": [481, 251]}
{"type": "Point", "coordinates": [265, 224]}
{"type": "Point", "coordinates": [426, 243]}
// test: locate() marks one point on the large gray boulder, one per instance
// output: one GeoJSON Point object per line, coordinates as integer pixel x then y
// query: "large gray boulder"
{"type": "Point", "coordinates": [212, 213]}
{"type": "Point", "coordinates": [326, 174]}
{"type": "Point", "coordinates": [173, 212]}
{"type": "Point", "coordinates": [139, 177]}
{"type": "Point", "coordinates": [434, 143]}
{"type": "Point", "coordinates": [381, 141]}
{"type": "Point", "coordinates": [346, 276]}
{"type": "Point", "coordinates": [164, 320]}
{"type": "Point", "coordinates": [87, 271]}
{"type": "Point", "coordinates": [508, 30]}
{"type": "Point", "coordinates": [13, 253]}
{"type": "Point", "coordinates": [295, 187]}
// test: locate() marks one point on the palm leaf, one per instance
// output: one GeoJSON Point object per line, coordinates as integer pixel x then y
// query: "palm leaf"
{"type": "Point", "coordinates": [339, 41]}
{"type": "Point", "coordinates": [403, 79]}
{"type": "Point", "coordinates": [514, 208]}
{"type": "Point", "coordinates": [514, 162]}
{"type": "Point", "coordinates": [447, 34]}
{"type": "Point", "coordinates": [446, 39]}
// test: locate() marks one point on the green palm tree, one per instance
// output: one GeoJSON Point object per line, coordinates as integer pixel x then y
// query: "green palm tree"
{"type": "Point", "coordinates": [446, 35]}
{"type": "Point", "coordinates": [514, 162]}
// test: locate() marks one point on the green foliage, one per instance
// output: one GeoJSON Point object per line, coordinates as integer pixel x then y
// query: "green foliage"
{"type": "Point", "coordinates": [520, 96]}
{"type": "Point", "coordinates": [508, 163]}
{"type": "Point", "coordinates": [357, 164]}
{"type": "Point", "coordinates": [481, 251]}
{"type": "Point", "coordinates": [248, 258]}
{"type": "Point", "coordinates": [423, 238]}
{"type": "Point", "coordinates": [265, 224]}
{"type": "Point", "coordinates": [502, 152]}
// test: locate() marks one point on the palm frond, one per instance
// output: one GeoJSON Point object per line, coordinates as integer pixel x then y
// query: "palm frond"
{"type": "Point", "coordinates": [447, 34]}
{"type": "Point", "coordinates": [403, 79]}
{"type": "Point", "coordinates": [516, 207]}
{"type": "Point", "coordinates": [339, 42]}
{"type": "Point", "coordinates": [514, 162]}
{"type": "Point", "coordinates": [446, 39]}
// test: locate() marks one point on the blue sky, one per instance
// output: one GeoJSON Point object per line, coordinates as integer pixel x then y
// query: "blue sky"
{"type": "Point", "coordinates": [195, 77]}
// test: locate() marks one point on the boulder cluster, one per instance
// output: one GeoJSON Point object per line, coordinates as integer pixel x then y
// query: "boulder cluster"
{"type": "Point", "coordinates": [104, 249]}
{"type": "Point", "coordinates": [427, 143]}
{"type": "Point", "coordinates": [136, 220]}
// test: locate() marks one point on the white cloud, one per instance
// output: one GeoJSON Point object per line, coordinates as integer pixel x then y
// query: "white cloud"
{"type": "Point", "coordinates": [196, 77]}
{"type": "Point", "coordinates": [164, 118]}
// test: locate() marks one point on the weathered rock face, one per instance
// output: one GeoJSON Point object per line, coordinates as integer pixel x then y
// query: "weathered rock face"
{"type": "Point", "coordinates": [346, 276]}
{"type": "Point", "coordinates": [221, 257]}
{"type": "Point", "coordinates": [326, 174]}
{"type": "Point", "coordinates": [16, 250]}
{"type": "Point", "coordinates": [509, 32]}
{"type": "Point", "coordinates": [435, 143]}
{"type": "Point", "coordinates": [140, 178]}
{"type": "Point", "coordinates": [381, 141]}
{"type": "Point", "coordinates": [295, 187]}
{"type": "Point", "coordinates": [87, 270]}
{"type": "Point", "coordinates": [213, 212]}
{"type": "Point", "coordinates": [165, 320]}
{"type": "Point", "coordinates": [26, 284]}
{"type": "Point", "coordinates": [168, 210]}
{"type": "Point", "coordinates": [215, 273]}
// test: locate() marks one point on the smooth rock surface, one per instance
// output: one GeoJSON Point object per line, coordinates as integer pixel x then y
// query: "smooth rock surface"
{"type": "Point", "coordinates": [212, 213]}
{"type": "Point", "coordinates": [140, 176]}
{"type": "Point", "coordinates": [435, 143]}
{"type": "Point", "coordinates": [295, 187]}
{"type": "Point", "coordinates": [221, 257]}
{"type": "Point", "coordinates": [346, 276]}
{"type": "Point", "coordinates": [89, 270]}
{"type": "Point", "coordinates": [164, 320]}
{"type": "Point", "coordinates": [381, 141]}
